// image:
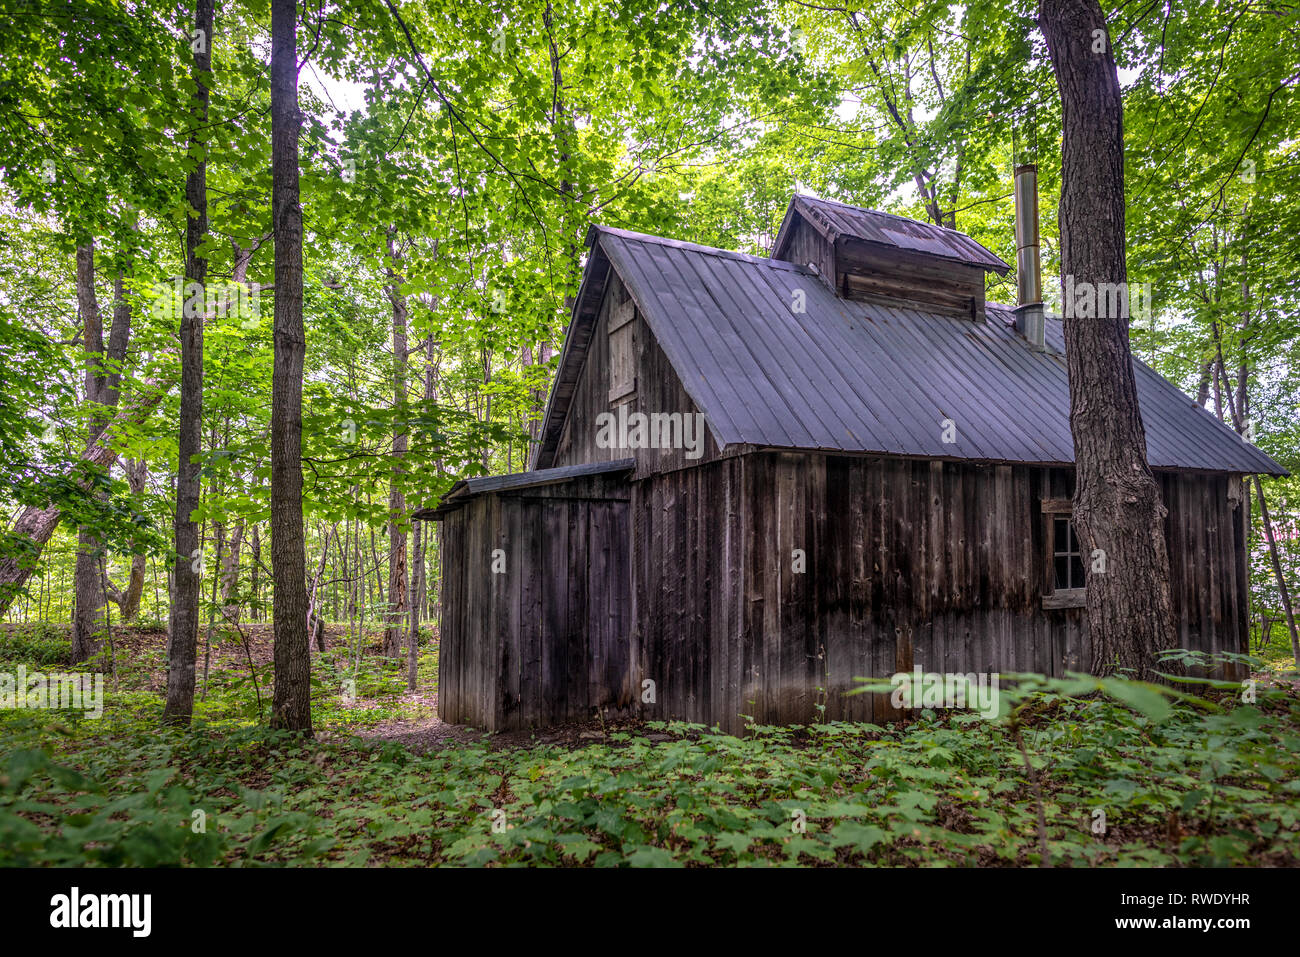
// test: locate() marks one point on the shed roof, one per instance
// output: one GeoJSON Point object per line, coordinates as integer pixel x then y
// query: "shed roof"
{"type": "Point", "coordinates": [465, 489]}
{"type": "Point", "coordinates": [850, 376]}
{"type": "Point", "coordinates": [837, 220]}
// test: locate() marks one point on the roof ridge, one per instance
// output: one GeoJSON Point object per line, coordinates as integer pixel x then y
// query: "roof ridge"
{"type": "Point", "coordinates": [698, 247]}
{"type": "Point", "coordinates": [882, 212]}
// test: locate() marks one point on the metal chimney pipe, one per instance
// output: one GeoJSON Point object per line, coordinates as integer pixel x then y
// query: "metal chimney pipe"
{"type": "Point", "coordinates": [1029, 274]}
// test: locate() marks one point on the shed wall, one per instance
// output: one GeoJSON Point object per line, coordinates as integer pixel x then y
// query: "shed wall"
{"type": "Point", "coordinates": [908, 562]}
{"type": "Point", "coordinates": [687, 578]}
{"type": "Point", "coordinates": [545, 640]}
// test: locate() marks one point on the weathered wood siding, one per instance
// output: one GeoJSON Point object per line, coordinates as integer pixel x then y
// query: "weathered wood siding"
{"type": "Point", "coordinates": [687, 578]}
{"type": "Point", "coordinates": [546, 640]}
{"type": "Point", "coordinates": [876, 273]}
{"type": "Point", "coordinates": [908, 562]}
{"type": "Point", "coordinates": [689, 528]}
{"type": "Point", "coordinates": [658, 390]}
{"type": "Point", "coordinates": [577, 443]}
{"type": "Point", "coordinates": [807, 247]}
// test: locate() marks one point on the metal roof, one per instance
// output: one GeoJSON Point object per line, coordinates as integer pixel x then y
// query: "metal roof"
{"type": "Point", "coordinates": [847, 376]}
{"type": "Point", "coordinates": [465, 489]}
{"type": "Point", "coordinates": [837, 220]}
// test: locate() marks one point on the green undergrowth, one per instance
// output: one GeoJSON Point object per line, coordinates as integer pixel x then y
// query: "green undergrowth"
{"type": "Point", "coordinates": [1123, 773]}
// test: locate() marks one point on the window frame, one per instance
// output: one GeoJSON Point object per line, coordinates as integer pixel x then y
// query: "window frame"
{"type": "Point", "coordinates": [621, 333]}
{"type": "Point", "coordinates": [1053, 597]}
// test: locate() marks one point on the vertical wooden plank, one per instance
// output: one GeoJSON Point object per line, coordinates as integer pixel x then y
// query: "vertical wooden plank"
{"type": "Point", "coordinates": [860, 633]}
{"type": "Point", "coordinates": [508, 694]}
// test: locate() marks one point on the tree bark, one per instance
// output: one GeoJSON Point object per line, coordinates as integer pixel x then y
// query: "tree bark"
{"type": "Point", "coordinates": [183, 631]}
{"type": "Point", "coordinates": [102, 390]}
{"type": "Point", "coordinates": [396, 631]}
{"type": "Point", "coordinates": [417, 588]}
{"type": "Point", "coordinates": [88, 593]}
{"type": "Point", "coordinates": [255, 576]}
{"type": "Point", "coordinates": [291, 704]}
{"type": "Point", "coordinates": [128, 598]}
{"type": "Point", "coordinates": [230, 574]}
{"type": "Point", "coordinates": [315, 620]}
{"type": "Point", "coordinates": [1203, 385]}
{"type": "Point", "coordinates": [1118, 513]}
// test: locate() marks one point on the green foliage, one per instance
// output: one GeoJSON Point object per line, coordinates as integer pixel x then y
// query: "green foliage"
{"type": "Point", "coordinates": [39, 644]}
{"type": "Point", "coordinates": [1180, 781]}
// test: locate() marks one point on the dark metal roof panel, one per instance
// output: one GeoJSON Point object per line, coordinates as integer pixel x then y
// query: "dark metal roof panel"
{"type": "Point", "coordinates": [465, 489]}
{"type": "Point", "coordinates": [866, 377]}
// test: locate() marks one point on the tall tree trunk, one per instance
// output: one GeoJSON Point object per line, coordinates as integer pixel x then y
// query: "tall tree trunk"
{"type": "Point", "coordinates": [291, 704]}
{"type": "Point", "coordinates": [417, 587]}
{"type": "Point", "coordinates": [1203, 385]}
{"type": "Point", "coordinates": [396, 629]}
{"type": "Point", "coordinates": [315, 620]}
{"type": "Point", "coordinates": [431, 384]}
{"type": "Point", "coordinates": [88, 595]}
{"type": "Point", "coordinates": [1239, 422]}
{"type": "Point", "coordinates": [255, 576]}
{"type": "Point", "coordinates": [102, 388]}
{"type": "Point", "coordinates": [1118, 513]}
{"type": "Point", "coordinates": [230, 574]}
{"type": "Point", "coordinates": [183, 635]}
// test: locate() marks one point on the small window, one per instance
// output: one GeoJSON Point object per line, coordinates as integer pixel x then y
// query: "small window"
{"type": "Point", "coordinates": [1063, 581]}
{"type": "Point", "coordinates": [622, 353]}
{"type": "Point", "coordinates": [1067, 558]}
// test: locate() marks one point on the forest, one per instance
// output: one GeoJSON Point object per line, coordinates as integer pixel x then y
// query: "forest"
{"type": "Point", "coordinates": [275, 275]}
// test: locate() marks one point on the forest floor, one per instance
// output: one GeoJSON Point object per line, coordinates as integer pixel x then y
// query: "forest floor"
{"type": "Point", "coordinates": [377, 712]}
{"type": "Point", "coordinates": [1126, 774]}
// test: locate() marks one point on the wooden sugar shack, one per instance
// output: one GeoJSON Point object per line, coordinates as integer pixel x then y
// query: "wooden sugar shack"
{"type": "Point", "coordinates": [881, 479]}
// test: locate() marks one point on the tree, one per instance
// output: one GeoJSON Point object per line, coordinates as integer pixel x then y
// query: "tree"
{"type": "Point", "coordinates": [291, 704]}
{"type": "Point", "coordinates": [397, 577]}
{"type": "Point", "coordinates": [188, 568]}
{"type": "Point", "coordinates": [103, 375]}
{"type": "Point", "coordinates": [35, 524]}
{"type": "Point", "coordinates": [127, 597]}
{"type": "Point", "coordinates": [1118, 513]}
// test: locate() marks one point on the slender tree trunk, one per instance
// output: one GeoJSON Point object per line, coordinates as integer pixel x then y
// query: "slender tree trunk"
{"type": "Point", "coordinates": [1239, 423]}
{"type": "Point", "coordinates": [230, 574]}
{"type": "Point", "coordinates": [431, 384]}
{"type": "Point", "coordinates": [88, 595]}
{"type": "Point", "coordinates": [397, 579]}
{"type": "Point", "coordinates": [1203, 385]}
{"type": "Point", "coordinates": [291, 706]}
{"type": "Point", "coordinates": [102, 388]}
{"type": "Point", "coordinates": [255, 576]}
{"type": "Point", "coordinates": [1118, 513]}
{"type": "Point", "coordinates": [417, 587]}
{"type": "Point", "coordinates": [182, 643]}
{"type": "Point", "coordinates": [219, 533]}
{"type": "Point", "coordinates": [315, 621]}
